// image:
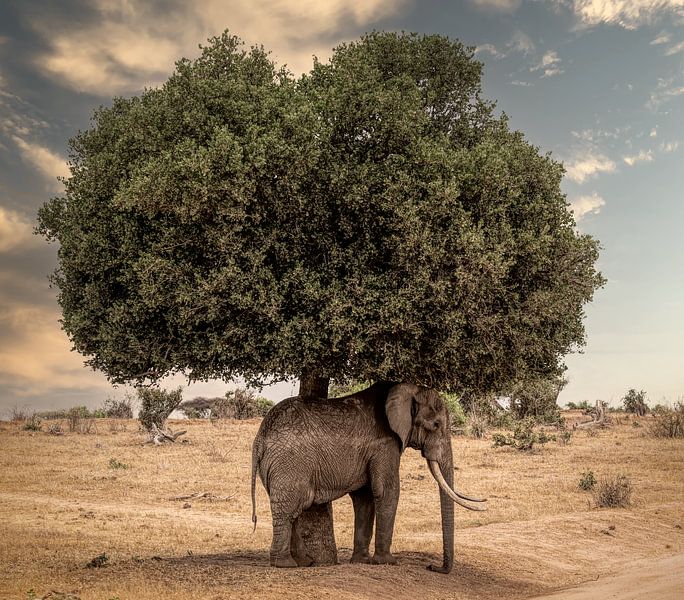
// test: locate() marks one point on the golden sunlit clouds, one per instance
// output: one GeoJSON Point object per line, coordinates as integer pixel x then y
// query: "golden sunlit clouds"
{"type": "Point", "coordinates": [34, 352]}
{"type": "Point", "coordinates": [131, 46]}
{"type": "Point", "coordinates": [50, 164]}
{"type": "Point", "coordinates": [15, 231]}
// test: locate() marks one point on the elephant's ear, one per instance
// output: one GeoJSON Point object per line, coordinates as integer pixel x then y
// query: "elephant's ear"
{"type": "Point", "coordinates": [398, 408]}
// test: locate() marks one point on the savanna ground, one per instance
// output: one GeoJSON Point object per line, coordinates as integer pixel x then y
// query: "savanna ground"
{"type": "Point", "coordinates": [63, 501]}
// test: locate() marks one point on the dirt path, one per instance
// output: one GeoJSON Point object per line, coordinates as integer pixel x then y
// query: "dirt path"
{"type": "Point", "coordinates": [656, 580]}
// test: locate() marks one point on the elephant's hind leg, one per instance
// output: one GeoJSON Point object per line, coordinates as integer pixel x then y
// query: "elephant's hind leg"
{"type": "Point", "coordinates": [285, 509]}
{"type": "Point", "coordinates": [280, 546]}
{"type": "Point", "coordinates": [364, 515]}
{"type": "Point", "coordinates": [297, 547]}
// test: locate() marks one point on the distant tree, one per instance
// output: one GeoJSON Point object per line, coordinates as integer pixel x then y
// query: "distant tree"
{"type": "Point", "coordinates": [372, 220]}
{"type": "Point", "coordinates": [635, 402]}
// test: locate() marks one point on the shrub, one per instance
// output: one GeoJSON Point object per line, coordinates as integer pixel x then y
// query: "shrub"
{"type": "Point", "coordinates": [156, 405]}
{"type": "Point", "coordinates": [32, 423]}
{"type": "Point", "coordinates": [564, 437]}
{"type": "Point", "coordinates": [635, 402]}
{"type": "Point", "coordinates": [477, 425]}
{"type": "Point", "coordinates": [199, 407]}
{"type": "Point", "coordinates": [584, 405]}
{"type": "Point", "coordinates": [99, 561]}
{"type": "Point", "coordinates": [587, 481]}
{"type": "Point", "coordinates": [668, 423]}
{"type": "Point", "coordinates": [614, 491]}
{"type": "Point", "coordinates": [524, 436]}
{"type": "Point", "coordinates": [115, 464]}
{"type": "Point", "coordinates": [240, 403]}
{"type": "Point", "coordinates": [19, 414]}
{"type": "Point", "coordinates": [75, 415]}
{"type": "Point", "coordinates": [456, 413]}
{"type": "Point", "coordinates": [119, 409]}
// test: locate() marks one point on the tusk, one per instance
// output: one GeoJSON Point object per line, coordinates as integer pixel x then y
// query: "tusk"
{"type": "Point", "coordinates": [437, 474]}
{"type": "Point", "coordinates": [459, 494]}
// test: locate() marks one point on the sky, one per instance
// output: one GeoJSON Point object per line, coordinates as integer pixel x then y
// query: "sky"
{"type": "Point", "coordinates": [598, 83]}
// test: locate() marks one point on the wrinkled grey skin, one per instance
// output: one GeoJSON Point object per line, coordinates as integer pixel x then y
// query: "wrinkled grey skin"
{"type": "Point", "coordinates": [317, 451]}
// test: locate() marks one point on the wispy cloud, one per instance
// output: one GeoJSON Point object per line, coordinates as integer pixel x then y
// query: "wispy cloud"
{"type": "Point", "coordinates": [489, 49]}
{"type": "Point", "coordinates": [642, 156]}
{"type": "Point", "coordinates": [663, 38]}
{"type": "Point", "coordinates": [505, 6]}
{"type": "Point", "coordinates": [667, 147]}
{"type": "Point", "coordinates": [521, 83]}
{"type": "Point", "coordinates": [549, 65]}
{"type": "Point", "coordinates": [666, 89]}
{"type": "Point", "coordinates": [588, 165]}
{"type": "Point", "coordinates": [585, 205]}
{"type": "Point", "coordinates": [629, 14]}
{"type": "Point", "coordinates": [135, 43]}
{"type": "Point", "coordinates": [50, 164]}
{"type": "Point", "coordinates": [676, 49]}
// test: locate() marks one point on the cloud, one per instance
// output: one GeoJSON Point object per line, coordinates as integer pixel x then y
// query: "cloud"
{"type": "Point", "coordinates": [590, 165]}
{"type": "Point", "coordinates": [521, 83]}
{"type": "Point", "coordinates": [489, 49]}
{"type": "Point", "coordinates": [676, 49]}
{"type": "Point", "coordinates": [668, 147]}
{"type": "Point", "coordinates": [654, 132]}
{"type": "Point", "coordinates": [519, 43]}
{"type": "Point", "coordinates": [15, 230]}
{"type": "Point", "coordinates": [666, 89]}
{"type": "Point", "coordinates": [34, 352]}
{"type": "Point", "coordinates": [585, 205]}
{"type": "Point", "coordinates": [50, 164]}
{"type": "Point", "coordinates": [663, 38]}
{"type": "Point", "coordinates": [629, 14]}
{"type": "Point", "coordinates": [505, 6]}
{"type": "Point", "coordinates": [642, 156]}
{"type": "Point", "coordinates": [135, 43]}
{"type": "Point", "coordinates": [550, 65]}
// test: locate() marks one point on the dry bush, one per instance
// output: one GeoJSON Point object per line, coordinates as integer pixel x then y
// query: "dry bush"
{"type": "Point", "coordinates": [19, 414]}
{"type": "Point", "coordinates": [240, 404]}
{"type": "Point", "coordinates": [613, 491]}
{"type": "Point", "coordinates": [668, 423]}
{"type": "Point", "coordinates": [119, 409]}
{"type": "Point", "coordinates": [524, 436]}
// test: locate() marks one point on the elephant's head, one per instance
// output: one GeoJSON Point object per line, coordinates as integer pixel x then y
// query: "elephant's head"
{"type": "Point", "coordinates": [420, 419]}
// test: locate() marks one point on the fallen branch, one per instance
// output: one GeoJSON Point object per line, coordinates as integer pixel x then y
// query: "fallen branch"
{"type": "Point", "coordinates": [599, 416]}
{"type": "Point", "coordinates": [204, 496]}
{"type": "Point", "coordinates": [159, 436]}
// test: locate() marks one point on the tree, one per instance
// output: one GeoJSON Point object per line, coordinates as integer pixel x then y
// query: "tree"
{"type": "Point", "coordinates": [537, 398]}
{"type": "Point", "coordinates": [635, 402]}
{"type": "Point", "coordinates": [371, 220]}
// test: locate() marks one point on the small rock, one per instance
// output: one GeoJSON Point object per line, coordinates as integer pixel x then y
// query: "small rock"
{"type": "Point", "coordinates": [187, 505]}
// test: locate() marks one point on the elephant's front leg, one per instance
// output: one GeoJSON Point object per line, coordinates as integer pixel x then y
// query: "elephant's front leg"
{"type": "Point", "coordinates": [364, 515]}
{"type": "Point", "coordinates": [386, 495]}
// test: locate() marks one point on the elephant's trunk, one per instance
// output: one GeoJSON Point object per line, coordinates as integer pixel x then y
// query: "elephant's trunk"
{"type": "Point", "coordinates": [446, 468]}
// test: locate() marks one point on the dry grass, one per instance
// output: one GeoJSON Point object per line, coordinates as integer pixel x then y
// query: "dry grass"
{"type": "Point", "coordinates": [62, 504]}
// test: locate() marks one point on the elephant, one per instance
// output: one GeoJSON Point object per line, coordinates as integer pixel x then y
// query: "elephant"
{"type": "Point", "coordinates": [314, 451]}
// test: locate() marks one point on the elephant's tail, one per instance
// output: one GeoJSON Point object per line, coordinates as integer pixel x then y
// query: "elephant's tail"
{"type": "Point", "coordinates": [255, 466]}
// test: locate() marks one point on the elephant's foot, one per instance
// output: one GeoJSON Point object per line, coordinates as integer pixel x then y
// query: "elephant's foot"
{"type": "Point", "coordinates": [304, 560]}
{"type": "Point", "coordinates": [383, 559]}
{"type": "Point", "coordinates": [285, 561]}
{"type": "Point", "coordinates": [439, 569]}
{"type": "Point", "coordinates": [361, 557]}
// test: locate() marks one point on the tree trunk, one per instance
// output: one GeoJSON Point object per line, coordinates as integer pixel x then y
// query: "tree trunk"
{"type": "Point", "coordinates": [313, 386]}
{"type": "Point", "coordinates": [315, 524]}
